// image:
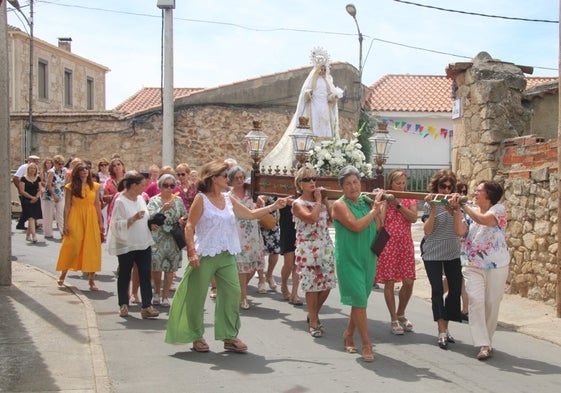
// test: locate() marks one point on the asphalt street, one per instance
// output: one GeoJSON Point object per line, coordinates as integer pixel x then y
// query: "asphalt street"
{"type": "Point", "coordinates": [282, 356]}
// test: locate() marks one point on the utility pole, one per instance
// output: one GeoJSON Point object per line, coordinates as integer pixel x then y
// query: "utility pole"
{"type": "Point", "coordinates": [5, 203]}
{"type": "Point", "coordinates": [168, 148]}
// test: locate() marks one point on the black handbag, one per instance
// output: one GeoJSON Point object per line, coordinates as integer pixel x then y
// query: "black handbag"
{"type": "Point", "coordinates": [380, 241]}
{"type": "Point", "coordinates": [178, 234]}
{"type": "Point", "coordinates": [157, 219]}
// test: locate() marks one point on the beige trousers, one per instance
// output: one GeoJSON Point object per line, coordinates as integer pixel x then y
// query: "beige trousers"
{"type": "Point", "coordinates": [485, 288]}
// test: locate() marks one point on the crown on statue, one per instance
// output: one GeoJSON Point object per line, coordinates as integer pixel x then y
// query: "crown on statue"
{"type": "Point", "coordinates": [319, 57]}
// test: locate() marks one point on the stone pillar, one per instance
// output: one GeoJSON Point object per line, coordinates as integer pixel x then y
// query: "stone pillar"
{"type": "Point", "coordinates": [491, 111]}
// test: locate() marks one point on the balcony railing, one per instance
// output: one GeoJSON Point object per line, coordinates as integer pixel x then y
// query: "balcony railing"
{"type": "Point", "coordinates": [418, 175]}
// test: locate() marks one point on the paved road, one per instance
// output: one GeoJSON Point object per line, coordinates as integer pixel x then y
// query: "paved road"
{"type": "Point", "coordinates": [284, 358]}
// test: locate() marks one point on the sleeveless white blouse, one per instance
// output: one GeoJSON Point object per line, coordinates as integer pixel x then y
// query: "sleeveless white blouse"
{"type": "Point", "coordinates": [217, 230]}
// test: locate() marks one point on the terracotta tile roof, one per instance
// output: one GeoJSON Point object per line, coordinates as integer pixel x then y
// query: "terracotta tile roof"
{"type": "Point", "coordinates": [419, 93]}
{"type": "Point", "coordinates": [410, 93]}
{"type": "Point", "coordinates": [532, 81]}
{"type": "Point", "coordinates": [149, 97]}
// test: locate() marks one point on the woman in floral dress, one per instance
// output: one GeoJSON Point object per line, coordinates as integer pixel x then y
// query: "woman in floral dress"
{"type": "Point", "coordinates": [166, 255]}
{"type": "Point", "coordinates": [315, 263]}
{"type": "Point", "coordinates": [485, 259]}
{"type": "Point", "coordinates": [250, 259]}
{"type": "Point", "coordinates": [396, 263]}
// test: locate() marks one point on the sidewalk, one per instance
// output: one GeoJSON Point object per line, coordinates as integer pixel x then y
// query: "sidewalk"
{"type": "Point", "coordinates": [50, 340]}
{"type": "Point", "coordinates": [49, 337]}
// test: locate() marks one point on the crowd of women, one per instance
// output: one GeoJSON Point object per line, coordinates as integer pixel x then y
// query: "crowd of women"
{"type": "Point", "coordinates": [464, 248]}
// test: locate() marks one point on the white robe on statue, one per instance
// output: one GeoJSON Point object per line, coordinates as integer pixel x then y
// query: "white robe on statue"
{"type": "Point", "coordinates": [313, 103]}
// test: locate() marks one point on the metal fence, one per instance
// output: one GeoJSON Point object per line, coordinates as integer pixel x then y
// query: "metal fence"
{"type": "Point", "coordinates": [418, 175]}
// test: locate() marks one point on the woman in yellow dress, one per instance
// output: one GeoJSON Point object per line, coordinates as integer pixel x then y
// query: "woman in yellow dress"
{"type": "Point", "coordinates": [83, 226]}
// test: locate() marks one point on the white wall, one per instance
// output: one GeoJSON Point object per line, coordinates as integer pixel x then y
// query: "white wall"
{"type": "Point", "coordinates": [412, 149]}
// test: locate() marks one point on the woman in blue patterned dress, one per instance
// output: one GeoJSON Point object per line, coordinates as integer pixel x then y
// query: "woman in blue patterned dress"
{"type": "Point", "coordinates": [315, 263]}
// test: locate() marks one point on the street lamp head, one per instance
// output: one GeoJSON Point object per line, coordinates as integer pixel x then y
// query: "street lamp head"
{"type": "Point", "coordinates": [351, 9]}
{"type": "Point", "coordinates": [15, 4]}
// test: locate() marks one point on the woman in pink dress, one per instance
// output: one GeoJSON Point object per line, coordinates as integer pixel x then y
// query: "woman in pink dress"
{"type": "Point", "coordinates": [396, 263]}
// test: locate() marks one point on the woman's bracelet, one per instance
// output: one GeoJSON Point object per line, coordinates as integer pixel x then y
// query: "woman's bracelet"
{"type": "Point", "coordinates": [193, 258]}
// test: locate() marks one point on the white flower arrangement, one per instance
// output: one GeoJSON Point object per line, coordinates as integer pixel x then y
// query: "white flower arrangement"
{"type": "Point", "coordinates": [330, 156]}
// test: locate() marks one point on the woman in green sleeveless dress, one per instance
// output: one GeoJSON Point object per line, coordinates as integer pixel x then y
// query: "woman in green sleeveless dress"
{"type": "Point", "coordinates": [356, 220]}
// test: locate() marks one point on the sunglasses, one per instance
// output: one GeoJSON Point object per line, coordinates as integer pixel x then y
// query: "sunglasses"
{"type": "Point", "coordinates": [82, 168]}
{"type": "Point", "coordinates": [308, 179]}
{"type": "Point", "coordinates": [168, 185]}
{"type": "Point", "coordinates": [446, 186]}
{"type": "Point", "coordinates": [103, 164]}
{"type": "Point", "coordinates": [181, 174]}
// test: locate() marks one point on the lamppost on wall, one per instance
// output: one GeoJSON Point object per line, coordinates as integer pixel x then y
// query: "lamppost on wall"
{"type": "Point", "coordinates": [351, 10]}
{"type": "Point", "coordinates": [26, 134]}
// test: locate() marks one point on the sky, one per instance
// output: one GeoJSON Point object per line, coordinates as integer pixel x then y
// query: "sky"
{"type": "Point", "coordinates": [219, 42]}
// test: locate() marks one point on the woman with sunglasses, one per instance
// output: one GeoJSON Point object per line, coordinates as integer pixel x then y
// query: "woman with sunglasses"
{"type": "Point", "coordinates": [440, 250]}
{"type": "Point", "coordinates": [250, 259]}
{"type": "Point", "coordinates": [315, 263]}
{"type": "Point", "coordinates": [211, 249]}
{"type": "Point", "coordinates": [396, 263]}
{"type": "Point", "coordinates": [83, 226]}
{"type": "Point", "coordinates": [187, 187]}
{"type": "Point", "coordinates": [485, 258]}
{"type": "Point", "coordinates": [166, 256]}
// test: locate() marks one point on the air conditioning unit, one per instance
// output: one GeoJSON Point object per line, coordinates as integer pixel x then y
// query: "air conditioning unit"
{"type": "Point", "coordinates": [166, 4]}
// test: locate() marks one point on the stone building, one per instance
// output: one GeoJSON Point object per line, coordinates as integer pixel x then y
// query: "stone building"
{"type": "Point", "coordinates": [492, 141]}
{"type": "Point", "coordinates": [62, 81]}
{"type": "Point", "coordinates": [209, 123]}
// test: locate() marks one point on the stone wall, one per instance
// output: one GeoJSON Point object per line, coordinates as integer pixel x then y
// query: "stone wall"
{"type": "Point", "coordinates": [528, 171]}
{"type": "Point", "coordinates": [202, 133]}
{"type": "Point", "coordinates": [491, 142]}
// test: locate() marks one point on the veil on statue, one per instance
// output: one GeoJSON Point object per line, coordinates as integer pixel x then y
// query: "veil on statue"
{"type": "Point", "coordinates": [282, 153]}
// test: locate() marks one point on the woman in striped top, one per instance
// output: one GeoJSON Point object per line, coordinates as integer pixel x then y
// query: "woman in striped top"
{"type": "Point", "coordinates": [440, 250]}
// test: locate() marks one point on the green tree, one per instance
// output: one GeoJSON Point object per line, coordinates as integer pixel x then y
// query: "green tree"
{"type": "Point", "coordinates": [366, 125]}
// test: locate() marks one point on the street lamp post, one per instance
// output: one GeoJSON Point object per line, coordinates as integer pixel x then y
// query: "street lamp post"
{"type": "Point", "coordinates": [351, 10]}
{"type": "Point", "coordinates": [26, 134]}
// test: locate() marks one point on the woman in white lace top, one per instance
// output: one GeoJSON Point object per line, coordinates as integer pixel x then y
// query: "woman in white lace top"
{"type": "Point", "coordinates": [211, 249]}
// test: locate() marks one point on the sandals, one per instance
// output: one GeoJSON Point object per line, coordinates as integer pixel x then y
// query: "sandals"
{"type": "Point", "coordinates": [261, 287]}
{"type": "Point", "coordinates": [484, 353]}
{"type": "Point", "coordinates": [367, 353]}
{"type": "Point", "coordinates": [349, 344]}
{"type": "Point", "coordinates": [200, 345]}
{"type": "Point", "coordinates": [443, 340]}
{"type": "Point", "coordinates": [397, 329]}
{"type": "Point", "coordinates": [285, 293]}
{"type": "Point", "coordinates": [235, 345]}
{"type": "Point", "coordinates": [406, 323]}
{"type": "Point", "coordinates": [316, 332]}
{"type": "Point", "coordinates": [296, 301]}
{"type": "Point", "coordinates": [244, 305]}
{"type": "Point", "coordinates": [272, 284]}
{"type": "Point", "coordinates": [93, 287]}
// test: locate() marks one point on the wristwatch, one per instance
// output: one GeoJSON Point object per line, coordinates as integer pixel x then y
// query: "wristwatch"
{"type": "Point", "coordinates": [398, 206]}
